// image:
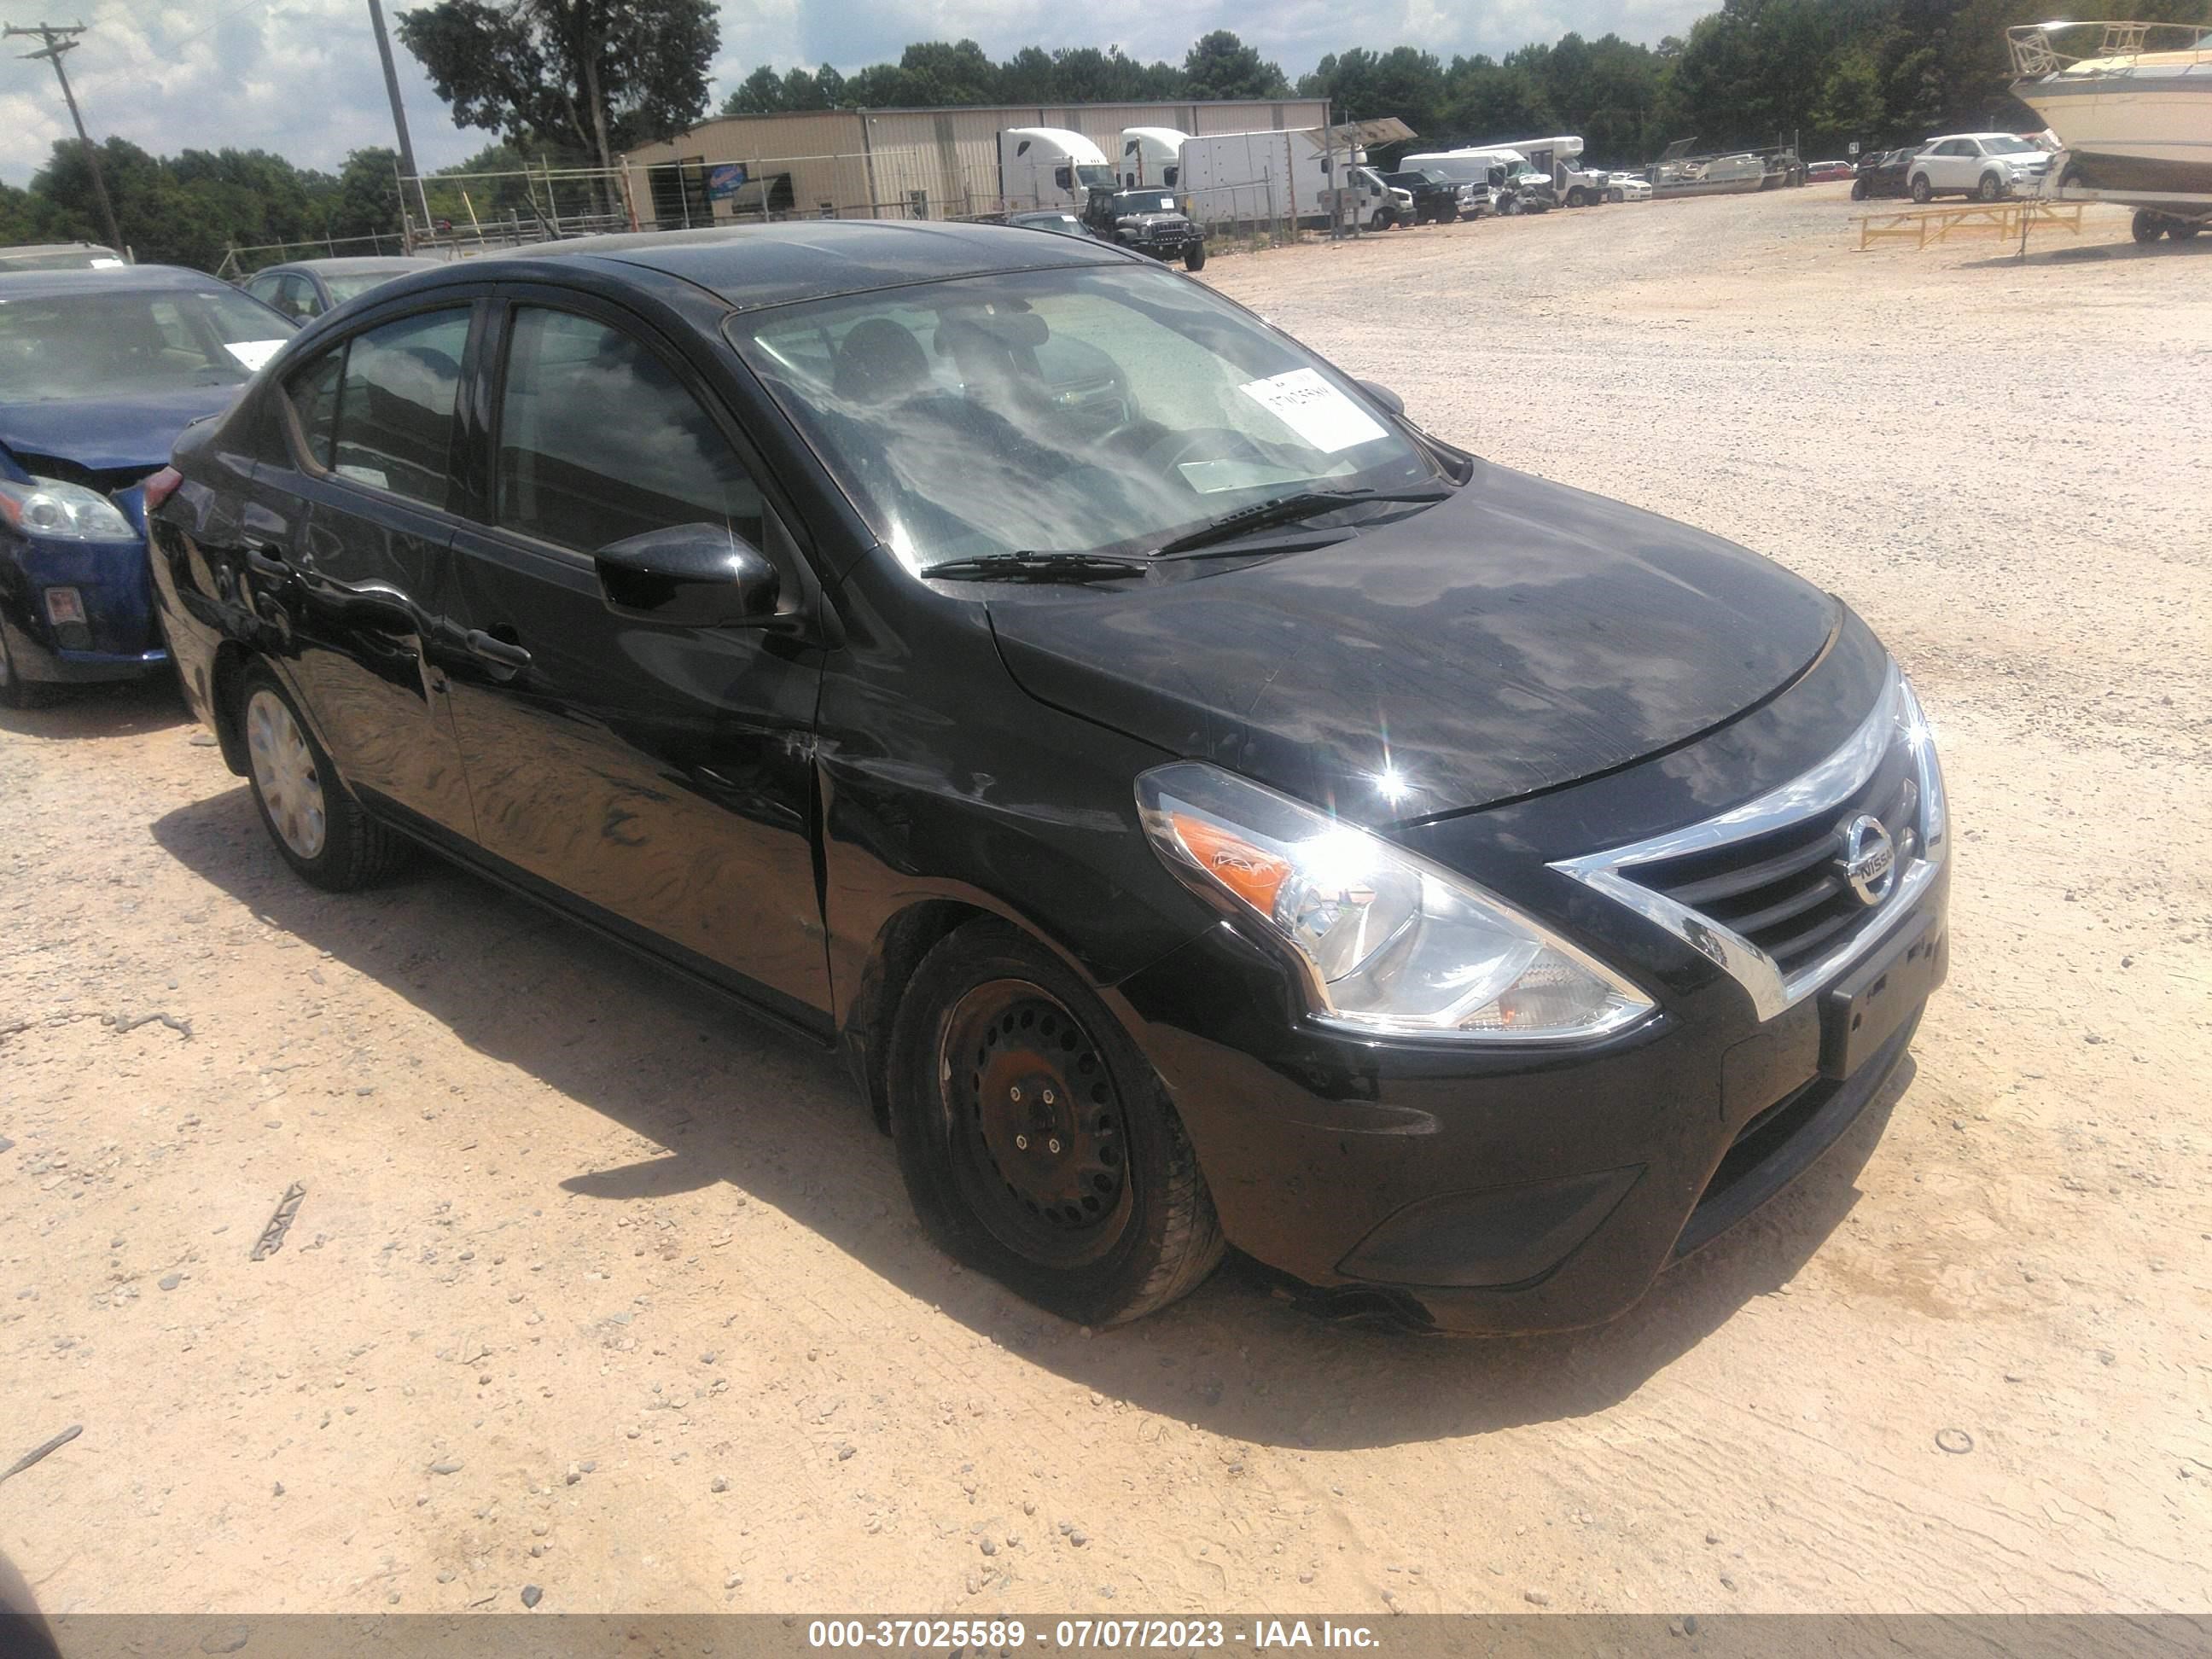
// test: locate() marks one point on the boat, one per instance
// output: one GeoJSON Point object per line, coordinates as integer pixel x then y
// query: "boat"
{"type": "Point", "coordinates": [1677, 172]}
{"type": "Point", "coordinates": [2131, 102]}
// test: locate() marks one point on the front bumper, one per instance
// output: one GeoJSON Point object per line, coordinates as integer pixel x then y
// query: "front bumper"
{"type": "Point", "coordinates": [1463, 1188]}
{"type": "Point", "coordinates": [118, 638]}
{"type": "Point", "coordinates": [1489, 1194]}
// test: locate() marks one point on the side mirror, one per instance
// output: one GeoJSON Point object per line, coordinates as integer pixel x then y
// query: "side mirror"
{"type": "Point", "coordinates": [695, 575]}
{"type": "Point", "coordinates": [1383, 395]}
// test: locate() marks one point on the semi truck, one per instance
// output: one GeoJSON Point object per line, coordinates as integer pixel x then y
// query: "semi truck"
{"type": "Point", "coordinates": [1049, 168]}
{"type": "Point", "coordinates": [1152, 156]}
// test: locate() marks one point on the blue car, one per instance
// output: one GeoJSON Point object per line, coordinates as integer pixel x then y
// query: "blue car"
{"type": "Point", "coordinates": [100, 372]}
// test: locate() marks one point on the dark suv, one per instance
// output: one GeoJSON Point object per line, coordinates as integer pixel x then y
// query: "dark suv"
{"type": "Point", "coordinates": [1436, 198]}
{"type": "Point", "coordinates": [1145, 221]}
{"type": "Point", "coordinates": [1201, 805]}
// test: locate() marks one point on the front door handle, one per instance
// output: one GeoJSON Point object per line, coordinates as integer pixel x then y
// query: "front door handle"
{"type": "Point", "coordinates": [261, 563]}
{"type": "Point", "coordinates": [496, 652]}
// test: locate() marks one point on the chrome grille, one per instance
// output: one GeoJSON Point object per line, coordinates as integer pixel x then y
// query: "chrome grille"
{"type": "Point", "coordinates": [1761, 889]}
{"type": "Point", "coordinates": [1785, 891]}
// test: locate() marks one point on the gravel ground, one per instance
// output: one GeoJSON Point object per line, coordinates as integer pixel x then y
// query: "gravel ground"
{"type": "Point", "coordinates": [596, 1288]}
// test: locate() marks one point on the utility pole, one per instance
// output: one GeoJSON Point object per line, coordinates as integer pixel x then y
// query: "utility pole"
{"type": "Point", "coordinates": [391, 89]}
{"type": "Point", "coordinates": [407, 167]}
{"type": "Point", "coordinates": [59, 41]}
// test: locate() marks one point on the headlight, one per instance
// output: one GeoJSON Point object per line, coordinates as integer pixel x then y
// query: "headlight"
{"type": "Point", "coordinates": [1935, 810]}
{"type": "Point", "coordinates": [63, 512]}
{"type": "Point", "coordinates": [1392, 945]}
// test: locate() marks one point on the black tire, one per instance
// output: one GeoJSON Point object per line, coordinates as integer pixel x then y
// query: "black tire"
{"type": "Point", "coordinates": [1859, 190]}
{"type": "Point", "coordinates": [1575, 196]}
{"type": "Point", "coordinates": [1991, 188]}
{"type": "Point", "coordinates": [2146, 226]}
{"type": "Point", "coordinates": [1194, 257]}
{"type": "Point", "coordinates": [2183, 232]}
{"type": "Point", "coordinates": [347, 849]}
{"type": "Point", "coordinates": [15, 691]}
{"type": "Point", "coordinates": [1144, 1231]}
{"type": "Point", "coordinates": [1921, 192]}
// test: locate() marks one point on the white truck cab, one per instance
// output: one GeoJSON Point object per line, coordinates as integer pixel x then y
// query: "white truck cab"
{"type": "Point", "coordinates": [1152, 156]}
{"type": "Point", "coordinates": [1049, 168]}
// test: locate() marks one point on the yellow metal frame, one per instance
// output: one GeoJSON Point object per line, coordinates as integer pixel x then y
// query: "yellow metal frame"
{"type": "Point", "coordinates": [2001, 221]}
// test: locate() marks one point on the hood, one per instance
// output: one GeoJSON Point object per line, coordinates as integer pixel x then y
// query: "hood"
{"type": "Point", "coordinates": [1514, 638]}
{"type": "Point", "coordinates": [1152, 221]}
{"type": "Point", "coordinates": [131, 433]}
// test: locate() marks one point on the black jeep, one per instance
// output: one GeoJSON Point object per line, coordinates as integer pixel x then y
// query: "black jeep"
{"type": "Point", "coordinates": [1146, 221]}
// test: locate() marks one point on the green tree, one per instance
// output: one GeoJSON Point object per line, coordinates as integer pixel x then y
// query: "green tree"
{"type": "Point", "coordinates": [1219, 65]}
{"type": "Point", "coordinates": [597, 75]}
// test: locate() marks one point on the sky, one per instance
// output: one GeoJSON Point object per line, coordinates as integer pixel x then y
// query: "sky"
{"type": "Point", "coordinates": [300, 77]}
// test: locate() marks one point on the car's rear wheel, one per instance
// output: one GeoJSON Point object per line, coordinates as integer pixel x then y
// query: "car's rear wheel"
{"type": "Point", "coordinates": [2182, 232]}
{"type": "Point", "coordinates": [1921, 191]}
{"type": "Point", "coordinates": [1037, 1143]}
{"type": "Point", "coordinates": [1859, 190]}
{"type": "Point", "coordinates": [320, 829]}
{"type": "Point", "coordinates": [2146, 226]}
{"type": "Point", "coordinates": [15, 691]}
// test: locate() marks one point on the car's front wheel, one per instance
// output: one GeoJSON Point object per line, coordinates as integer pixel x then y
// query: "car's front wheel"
{"type": "Point", "coordinates": [1921, 191]}
{"type": "Point", "coordinates": [1037, 1143]}
{"type": "Point", "coordinates": [1991, 188]}
{"type": "Point", "coordinates": [1194, 257]}
{"type": "Point", "coordinates": [317, 826]}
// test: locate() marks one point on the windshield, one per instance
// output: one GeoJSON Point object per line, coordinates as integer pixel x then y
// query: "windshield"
{"type": "Point", "coordinates": [1143, 201]}
{"type": "Point", "coordinates": [1063, 411]}
{"type": "Point", "coordinates": [1088, 176]}
{"type": "Point", "coordinates": [65, 346]}
{"type": "Point", "coordinates": [2009, 147]}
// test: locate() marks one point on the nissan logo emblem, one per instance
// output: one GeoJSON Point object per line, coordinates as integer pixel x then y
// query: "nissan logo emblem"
{"type": "Point", "coordinates": [1869, 859]}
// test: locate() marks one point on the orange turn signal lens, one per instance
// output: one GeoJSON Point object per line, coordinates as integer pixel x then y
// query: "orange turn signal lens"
{"type": "Point", "coordinates": [1253, 875]}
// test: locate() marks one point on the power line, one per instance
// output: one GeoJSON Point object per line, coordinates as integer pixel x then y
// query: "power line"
{"type": "Point", "coordinates": [57, 42]}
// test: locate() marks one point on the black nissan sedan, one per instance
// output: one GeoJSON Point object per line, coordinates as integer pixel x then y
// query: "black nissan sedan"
{"type": "Point", "coordinates": [1202, 806]}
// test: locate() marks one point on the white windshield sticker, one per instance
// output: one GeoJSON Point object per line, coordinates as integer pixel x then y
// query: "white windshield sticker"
{"type": "Point", "coordinates": [368, 475]}
{"type": "Point", "coordinates": [253, 353]}
{"type": "Point", "coordinates": [1315, 409]}
{"type": "Point", "coordinates": [106, 265]}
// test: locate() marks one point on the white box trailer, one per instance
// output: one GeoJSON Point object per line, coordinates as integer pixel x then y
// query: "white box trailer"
{"type": "Point", "coordinates": [1253, 178]}
{"type": "Point", "coordinates": [1049, 168]}
{"type": "Point", "coordinates": [1152, 156]}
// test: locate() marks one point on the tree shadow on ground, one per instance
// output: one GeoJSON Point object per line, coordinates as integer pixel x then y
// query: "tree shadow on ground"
{"type": "Point", "coordinates": [736, 1104]}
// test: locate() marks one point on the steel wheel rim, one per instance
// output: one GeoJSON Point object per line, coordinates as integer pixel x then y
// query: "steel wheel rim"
{"type": "Point", "coordinates": [284, 774]}
{"type": "Point", "coordinates": [1038, 1135]}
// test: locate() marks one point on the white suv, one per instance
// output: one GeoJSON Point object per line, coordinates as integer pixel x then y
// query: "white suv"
{"type": "Point", "coordinates": [1986, 166]}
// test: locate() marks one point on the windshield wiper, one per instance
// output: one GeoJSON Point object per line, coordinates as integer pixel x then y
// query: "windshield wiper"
{"type": "Point", "coordinates": [1288, 509]}
{"type": "Point", "coordinates": [1036, 567]}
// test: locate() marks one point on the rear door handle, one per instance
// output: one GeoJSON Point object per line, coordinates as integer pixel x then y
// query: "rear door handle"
{"type": "Point", "coordinates": [496, 652]}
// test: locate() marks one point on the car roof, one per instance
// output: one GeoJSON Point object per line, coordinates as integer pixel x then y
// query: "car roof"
{"type": "Point", "coordinates": [56, 248]}
{"type": "Point", "coordinates": [144, 279]}
{"type": "Point", "coordinates": [357, 265]}
{"type": "Point", "coordinates": [753, 266]}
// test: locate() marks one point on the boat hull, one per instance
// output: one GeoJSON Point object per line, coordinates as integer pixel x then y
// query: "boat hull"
{"type": "Point", "coordinates": [2149, 128]}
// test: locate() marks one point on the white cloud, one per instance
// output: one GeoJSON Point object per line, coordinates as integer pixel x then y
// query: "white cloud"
{"type": "Point", "coordinates": [300, 77]}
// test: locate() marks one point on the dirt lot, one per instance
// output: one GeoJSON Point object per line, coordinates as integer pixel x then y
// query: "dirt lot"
{"type": "Point", "coordinates": [596, 1287]}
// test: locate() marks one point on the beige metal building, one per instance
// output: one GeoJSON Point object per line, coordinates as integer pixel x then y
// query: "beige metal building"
{"type": "Point", "coordinates": [894, 163]}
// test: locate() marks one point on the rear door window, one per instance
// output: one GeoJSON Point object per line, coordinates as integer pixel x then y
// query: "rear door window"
{"type": "Point", "coordinates": [600, 441]}
{"type": "Point", "coordinates": [395, 415]}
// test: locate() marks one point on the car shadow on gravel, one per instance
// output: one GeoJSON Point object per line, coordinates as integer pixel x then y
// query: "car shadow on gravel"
{"type": "Point", "coordinates": [733, 1102]}
{"type": "Point", "coordinates": [120, 709]}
